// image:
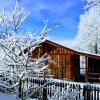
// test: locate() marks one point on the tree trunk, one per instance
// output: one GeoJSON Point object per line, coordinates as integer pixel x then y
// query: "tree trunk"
{"type": "Point", "coordinates": [96, 48]}
{"type": "Point", "coordinates": [20, 90]}
{"type": "Point", "coordinates": [45, 91]}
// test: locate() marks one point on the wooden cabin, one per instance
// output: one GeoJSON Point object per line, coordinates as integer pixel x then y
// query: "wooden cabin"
{"type": "Point", "coordinates": [68, 62]}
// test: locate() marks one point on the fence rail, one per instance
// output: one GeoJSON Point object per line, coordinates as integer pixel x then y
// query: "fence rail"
{"type": "Point", "coordinates": [76, 90]}
{"type": "Point", "coordinates": [53, 89]}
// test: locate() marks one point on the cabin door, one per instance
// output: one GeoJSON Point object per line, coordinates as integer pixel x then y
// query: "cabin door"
{"type": "Point", "coordinates": [76, 66]}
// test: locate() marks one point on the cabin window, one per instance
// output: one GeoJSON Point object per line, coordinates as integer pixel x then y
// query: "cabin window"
{"type": "Point", "coordinates": [82, 65]}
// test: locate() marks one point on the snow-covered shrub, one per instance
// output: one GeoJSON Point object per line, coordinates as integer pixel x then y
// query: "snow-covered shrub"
{"type": "Point", "coordinates": [16, 65]}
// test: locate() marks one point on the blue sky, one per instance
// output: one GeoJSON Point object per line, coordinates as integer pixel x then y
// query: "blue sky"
{"type": "Point", "coordinates": [59, 12]}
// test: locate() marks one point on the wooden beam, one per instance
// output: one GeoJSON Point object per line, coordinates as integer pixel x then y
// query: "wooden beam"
{"type": "Point", "coordinates": [86, 69]}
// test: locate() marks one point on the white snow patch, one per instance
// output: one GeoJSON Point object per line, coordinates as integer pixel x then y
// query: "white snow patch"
{"type": "Point", "coordinates": [5, 96]}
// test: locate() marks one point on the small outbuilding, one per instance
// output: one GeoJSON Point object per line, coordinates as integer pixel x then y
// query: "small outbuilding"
{"type": "Point", "coordinates": [68, 64]}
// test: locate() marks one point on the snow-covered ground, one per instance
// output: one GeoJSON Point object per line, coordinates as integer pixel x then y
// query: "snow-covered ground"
{"type": "Point", "coordinates": [5, 96]}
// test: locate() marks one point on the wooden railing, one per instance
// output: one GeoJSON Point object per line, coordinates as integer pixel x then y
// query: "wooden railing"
{"type": "Point", "coordinates": [94, 77]}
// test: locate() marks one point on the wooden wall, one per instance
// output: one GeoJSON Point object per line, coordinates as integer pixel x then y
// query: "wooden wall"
{"type": "Point", "coordinates": [64, 59]}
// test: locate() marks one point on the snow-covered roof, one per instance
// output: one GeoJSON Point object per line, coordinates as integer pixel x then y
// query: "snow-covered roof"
{"type": "Point", "coordinates": [78, 52]}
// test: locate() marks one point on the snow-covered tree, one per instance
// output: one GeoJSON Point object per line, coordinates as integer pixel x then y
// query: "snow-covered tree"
{"type": "Point", "coordinates": [17, 64]}
{"type": "Point", "coordinates": [92, 3]}
{"type": "Point", "coordinates": [88, 37]}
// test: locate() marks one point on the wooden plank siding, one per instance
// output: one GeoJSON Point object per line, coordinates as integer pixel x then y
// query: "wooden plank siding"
{"type": "Point", "coordinates": [64, 59]}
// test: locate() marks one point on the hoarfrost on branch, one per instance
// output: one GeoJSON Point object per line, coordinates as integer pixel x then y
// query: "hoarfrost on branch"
{"type": "Point", "coordinates": [16, 65]}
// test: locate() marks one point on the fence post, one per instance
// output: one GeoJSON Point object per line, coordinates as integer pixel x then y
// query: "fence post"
{"type": "Point", "coordinates": [84, 92]}
{"type": "Point", "coordinates": [45, 90]}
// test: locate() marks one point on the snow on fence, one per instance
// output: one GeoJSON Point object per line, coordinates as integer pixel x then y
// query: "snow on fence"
{"type": "Point", "coordinates": [53, 89]}
{"type": "Point", "coordinates": [65, 89]}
